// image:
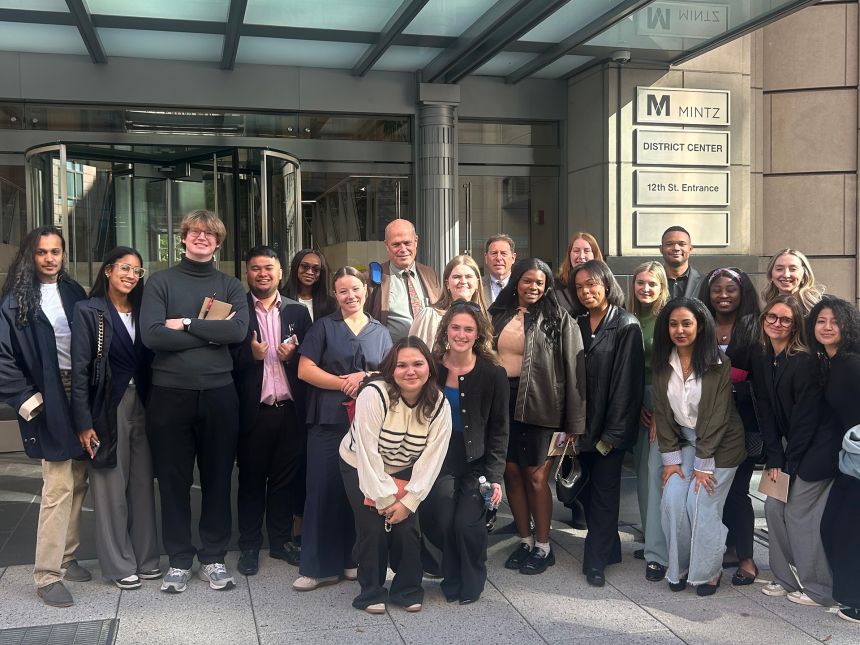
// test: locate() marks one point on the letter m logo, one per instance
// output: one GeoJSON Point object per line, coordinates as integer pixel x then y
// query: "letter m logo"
{"type": "Point", "coordinates": [661, 17]}
{"type": "Point", "coordinates": [655, 106]}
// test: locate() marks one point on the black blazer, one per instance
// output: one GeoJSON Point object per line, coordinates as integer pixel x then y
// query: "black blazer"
{"type": "Point", "coordinates": [248, 373]}
{"type": "Point", "coordinates": [484, 394]}
{"type": "Point", "coordinates": [792, 409]}
{"type": "Point", "coordinates": [614, 380]}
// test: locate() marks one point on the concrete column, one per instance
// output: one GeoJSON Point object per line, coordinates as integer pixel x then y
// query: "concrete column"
{"type": "Point", "coordinates": [438, 225]}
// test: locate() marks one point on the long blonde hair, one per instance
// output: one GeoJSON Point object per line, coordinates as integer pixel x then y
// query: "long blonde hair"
{"type": "Point", "coordinates": [444, 302]}
{"type": "Point", "coordinates": [808, 294]}
{"type": "Point", "coordinates": [655, 269]}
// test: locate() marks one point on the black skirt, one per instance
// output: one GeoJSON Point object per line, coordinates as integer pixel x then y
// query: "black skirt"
{"type": "Point", "coordinates": [528, 444]}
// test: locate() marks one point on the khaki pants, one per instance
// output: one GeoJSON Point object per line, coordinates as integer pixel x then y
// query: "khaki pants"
{"type": "Point", "coordinates": [64, 486]}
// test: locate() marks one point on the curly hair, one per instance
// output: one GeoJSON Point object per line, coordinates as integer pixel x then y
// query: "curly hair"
{"type": "Point", "coordinates": [22, 280]}
{"type": "Point", "coordinates": [566, 266]}
{"type": "Point", "coordinates": [659, 273]}
{"type": "Point", "coordinates": [483, 346]}
{"type": "Point", "coordinates": [547, 307]}
{"type": "Point", "coordinates": [428, 397]}
{"type": "Point", "coordinates": [705, 352]}
{"type": "Point", "coordinates": [847, 319]}
{"type": "Point", "coordinates": [808, 293]}
{"type": "Point", "coordinates": [797, 339]}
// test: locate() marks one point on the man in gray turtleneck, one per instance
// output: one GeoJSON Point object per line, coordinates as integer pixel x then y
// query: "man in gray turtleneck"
{"type": "Point", "coordinates": [193, 410]}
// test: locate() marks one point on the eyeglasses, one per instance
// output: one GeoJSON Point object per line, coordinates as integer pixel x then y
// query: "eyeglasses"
{"type": "Point", "coordinates": [783, 321]}
{"type": "Point", "coordinates": [194, 233]}
{"type": "Point", "coordinates": [127, 268]}
{"type": "Point", "coordinates": [304, 267]}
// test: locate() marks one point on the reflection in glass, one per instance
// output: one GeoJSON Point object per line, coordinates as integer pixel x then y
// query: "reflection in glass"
{"type": "Point", "coordinates": [508, 134]}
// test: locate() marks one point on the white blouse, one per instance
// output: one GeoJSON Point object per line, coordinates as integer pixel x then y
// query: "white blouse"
{"type": "Point", "coordinates": [684, 396]}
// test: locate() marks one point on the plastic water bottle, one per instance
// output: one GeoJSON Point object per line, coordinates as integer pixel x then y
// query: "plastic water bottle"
{"type": "Point", "coordinates": [486, 490]}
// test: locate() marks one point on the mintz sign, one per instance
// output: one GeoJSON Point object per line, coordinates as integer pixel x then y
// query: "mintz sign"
{"type": "Point", "coordinates": [677, 106]}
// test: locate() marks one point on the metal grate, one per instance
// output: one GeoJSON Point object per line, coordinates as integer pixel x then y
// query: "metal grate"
{"type": "Point", "coordinates": [91, 632]}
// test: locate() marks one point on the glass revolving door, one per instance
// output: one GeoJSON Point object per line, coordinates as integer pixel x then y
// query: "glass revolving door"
{"type": "Point", "coordinates": [104, 195]}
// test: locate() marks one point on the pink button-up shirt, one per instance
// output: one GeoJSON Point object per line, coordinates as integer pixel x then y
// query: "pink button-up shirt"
{"type": "Point", "coordinates": [275, 385]}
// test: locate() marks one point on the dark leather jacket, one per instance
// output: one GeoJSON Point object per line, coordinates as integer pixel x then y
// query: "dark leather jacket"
{"type": "Point", "coordinates": [615, 369]}
{"type": "Point", "coordinates": [484, 396]}
{"type": "Point", "coordinates": [552, 382]}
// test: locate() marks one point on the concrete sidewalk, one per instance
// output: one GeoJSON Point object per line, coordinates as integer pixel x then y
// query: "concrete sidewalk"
{"type": "Point", "coordinates": [555, 607]}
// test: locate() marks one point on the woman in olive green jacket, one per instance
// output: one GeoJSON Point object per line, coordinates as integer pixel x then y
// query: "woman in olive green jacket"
{"type": "Point", "coordinates": [701, 442]}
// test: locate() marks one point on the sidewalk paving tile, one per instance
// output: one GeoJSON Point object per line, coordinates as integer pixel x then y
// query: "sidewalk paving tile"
{"type": "Point", "coordinates": [384, 634]}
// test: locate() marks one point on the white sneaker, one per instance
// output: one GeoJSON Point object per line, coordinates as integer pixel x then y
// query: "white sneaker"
{"type": "Point", "coordinates": [773, 589]}
{"type": "Point", "coordinates": [801, 598]}
{"type": "Point", "coordinates": [216, 575]}
{"type": "Point", "coordinates": [176, 580]}
{"type": "Point", "coordinates": [129, 582]}
{"type": "Point", "coordinates": [306, 583]}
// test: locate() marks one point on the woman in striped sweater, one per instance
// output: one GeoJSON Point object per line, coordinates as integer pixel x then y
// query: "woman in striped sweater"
{"type": "Point", "coordinates": [389, 461]}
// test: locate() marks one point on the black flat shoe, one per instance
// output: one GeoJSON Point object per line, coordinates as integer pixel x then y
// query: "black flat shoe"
{"type": "Point", "coordinates": [595, 578]}
{"type": "Point", "coordinates": [654, 572]}
{"type": "Point", "coordinates": [678, 586]}
{"type": "Point", "coordinates": [453, 598]}
{"type": "Point", "coordinates": [639, 554]}
{"type": "Point", "coordinates": [289, 552]}
{"type": "Point", "coordinates": [518, 558]}
{"type": "Point", "coordinates": [741, 579]}
{"type": "Point", "coordinates": [249, 562]}
{"type": "Point", "coordinates": [709, 589]}
{"type": "Point", "coordinates": [467, 601]}
{"type": "Point", "coordinates": [537, 562]}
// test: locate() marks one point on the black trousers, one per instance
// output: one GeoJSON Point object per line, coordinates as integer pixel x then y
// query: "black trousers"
{"type": "Point", "coordinates": [452, 517]}
{"type": "Point", "coordinates": [601, 499]}
{"type": "Point", "coordinates": [840, 526]}
{"type": "Point", "coordinates": [270, 458]}
{"type": "Point", "coordinates": [738, 514]}
{"type": "Point", "coordinates": [375, 548]}
{"type": "Point", "coordinates": [328, 529]}
{"type": "Point", "coordinates": [183, 425]}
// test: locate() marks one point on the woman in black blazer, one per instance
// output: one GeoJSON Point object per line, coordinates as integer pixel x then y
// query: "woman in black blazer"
{"type": "Point", "coordinates": [789, 397]}
{"type": "Point", "coordinates": [477, 388]}
{"type": "Point", "coordinates": [833, 328]}
{"type": "Point", "coordinates": [614, 380]}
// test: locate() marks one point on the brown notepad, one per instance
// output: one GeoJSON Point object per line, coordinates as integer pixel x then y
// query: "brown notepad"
{"type": "Point", "coordinates": [777, 489]}
{"type": "Point", "coordinates": [213, 309]}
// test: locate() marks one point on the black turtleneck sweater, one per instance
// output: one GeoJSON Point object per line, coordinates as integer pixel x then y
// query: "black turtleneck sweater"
{"type": "Point", "coordinates": [198, 359]}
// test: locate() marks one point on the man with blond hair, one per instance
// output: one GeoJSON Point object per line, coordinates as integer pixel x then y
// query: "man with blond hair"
{"type": "Point", "coordinates": [407, 286]}
{"type": "Point", "coordinates": [193, 410]}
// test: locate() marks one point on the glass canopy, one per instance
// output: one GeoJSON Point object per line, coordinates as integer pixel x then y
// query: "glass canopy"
{"type": "Point", "coordinates": [445, 40]}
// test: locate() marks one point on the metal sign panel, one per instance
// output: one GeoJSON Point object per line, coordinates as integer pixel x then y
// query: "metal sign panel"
{"type": "Point", "coordinates": [707, 228]}
{"type": "Point", "coordinates": [683, 20]}
{"type": "Point", "coordinates": [654, 147]}
{"type": "Point", "coordinates": [681, 188]}
{"type": "Point", "coordinates": [678, 106]}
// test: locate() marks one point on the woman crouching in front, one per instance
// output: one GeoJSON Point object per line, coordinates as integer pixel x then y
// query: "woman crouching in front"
{"type": "Point", "coordinates": [390, 458]}
{"type": "Point", "coordinates": [701, 440]}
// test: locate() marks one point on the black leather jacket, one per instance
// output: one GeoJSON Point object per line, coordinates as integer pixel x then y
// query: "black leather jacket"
{"type": "Point", "coordinates": [484, 396]}
{"type": "Point", "coordinates": [552, 382]}
{"type": "Point", "coordinates": [615, 368]}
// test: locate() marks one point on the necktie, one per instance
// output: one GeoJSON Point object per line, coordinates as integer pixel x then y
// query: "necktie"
{"type": "Point", "coordinates": [414, 302]}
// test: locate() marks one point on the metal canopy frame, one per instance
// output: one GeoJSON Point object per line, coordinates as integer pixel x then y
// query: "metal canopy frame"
{"type": "Point", "coordinates": [495, 31]}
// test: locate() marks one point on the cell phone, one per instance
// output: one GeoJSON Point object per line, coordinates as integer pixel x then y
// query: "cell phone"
{"type": "Point", "coordinates": [292, 339]}
{"type": "Point", "coordinates": [95, 444]}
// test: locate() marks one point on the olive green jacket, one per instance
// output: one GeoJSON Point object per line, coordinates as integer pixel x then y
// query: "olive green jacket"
{"type": "Point", "coordinates": [719, 431]}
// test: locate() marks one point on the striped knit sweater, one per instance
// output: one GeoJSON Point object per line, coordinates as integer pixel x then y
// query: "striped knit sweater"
{"type": "Point", "coordinates": [386, 439]}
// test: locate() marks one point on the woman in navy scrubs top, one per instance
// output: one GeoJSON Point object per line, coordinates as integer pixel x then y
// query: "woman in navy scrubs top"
{"type": "Point", "coordinates": [337, 353]}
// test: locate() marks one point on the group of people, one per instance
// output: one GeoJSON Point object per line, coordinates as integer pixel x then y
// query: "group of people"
{"type": "Point", "coordinates": [373, 423]}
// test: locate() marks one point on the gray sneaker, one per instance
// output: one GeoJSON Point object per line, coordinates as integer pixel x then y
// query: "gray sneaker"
{"type": "Point", "coordinates": [216, 575]}
{"type": "Point", "coordinates": [176, 580]}
{"type": "Point", "coordinates": [55, 595]}
{"type": "Point", "coordinates": [73, 572]}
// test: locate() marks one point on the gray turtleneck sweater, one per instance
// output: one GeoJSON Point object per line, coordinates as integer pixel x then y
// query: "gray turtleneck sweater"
{"type": "Point", "coordinates": [198, 359]}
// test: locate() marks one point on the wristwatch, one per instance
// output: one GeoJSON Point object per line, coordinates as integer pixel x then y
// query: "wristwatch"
{"type": "Point", "coordinates": [186, 323]}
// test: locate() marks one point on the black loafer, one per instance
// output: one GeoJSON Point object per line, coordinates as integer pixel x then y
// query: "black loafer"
{"type": "Point", "coordinates": [742, 579]}
{"type": "Point", "coordinates": [291, 553]}
{"type": "Point", "coordinates": [595, 578]}
{"type": "Point", "coordinates": [537, 562]}
{"type": "Point", "coordinates": [518, 558]}
{"type": "Point", "coordinates": [249, 562]}
{"type": "Point", "coordinates": [708, 589]}
{"type": "Point", "coordinates": [680, 585]}
{"type": "Point", "coordinates": [467, 601]}
{"type": "Point", "coordinates": [654, 572]}
{"type": "Point", "coordinates": [639, 554]}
